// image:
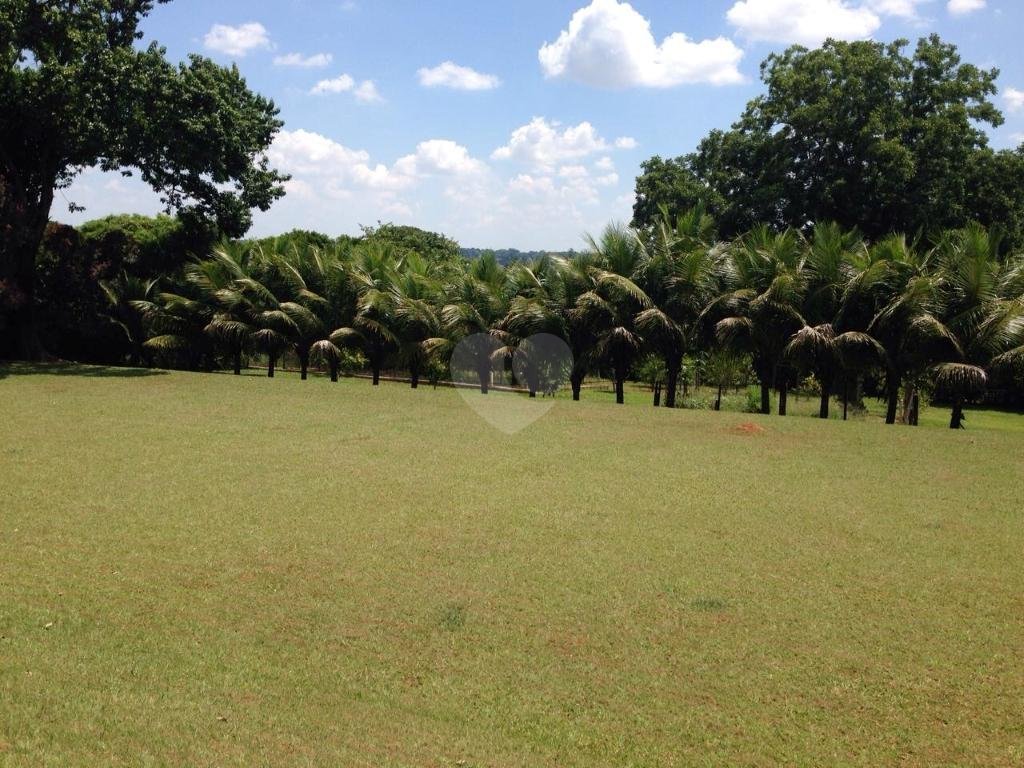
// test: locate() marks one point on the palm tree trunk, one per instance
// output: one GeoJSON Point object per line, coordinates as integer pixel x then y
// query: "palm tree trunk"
{"type": "Point", "coordinates": [893, 393]}
{"type": "Point", "coordinates": [620, 395]}
{"type": "Point", "coordinates": [718, 400]}
{"type": "Point", "coordinates": [957, 420]}
{"type": "Point", "coordinates": [483, 372]}
{"type": "Point", "coordinates": [576, 382]}
{"type": "Point", "coordinates": [657, 394]}
{"type": "Point", "coordinates": [846, 397]}
{"type": "Point", "coordinates": [826, 395]}
{"type": "Point", "coordinates": [414, 375]}
{"type": "Point", "coordinates": [671, 382]}
{"type": "Point", "coordinates": [334, 369]}
{"type": "Point", "coordinates": [271, 366]}
{"type": "Point", "coordinates": [766, 401]}
{"type": "Point", "coordinates": [303, 364]}
{"type": "Point", "coordinates": [238, 362]}
{"type": "Point", "coordinates": [783, 395]}
{"type": "Point", "coordinates": [376, 374]}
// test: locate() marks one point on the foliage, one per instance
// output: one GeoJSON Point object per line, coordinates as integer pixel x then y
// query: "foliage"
{"type": "Point", "coordinates": [79, 90]}
{"type": "Point", "coordinates": [861, 133]}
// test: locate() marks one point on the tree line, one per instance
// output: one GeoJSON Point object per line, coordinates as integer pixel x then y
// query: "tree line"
{"type": "Point", "coordinates": [946, 315]}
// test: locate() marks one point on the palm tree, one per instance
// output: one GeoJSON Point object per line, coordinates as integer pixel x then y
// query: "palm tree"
{"type": "Point", "coordinates": [907, 293]}
{"type": "Point", "coordinates": [371, 329]}
{"type": "Point", "coordinates": [983, 319]}
{"type": "Point", "coordinates": [477, 301]}
{"type": "Point", "coordinates": [611, 306]}
{"type": "Point", "coordinates": [760, 309]}
{"type": "Point", "coordinates": [679, 273]}
{"type": "Point", "coordinates": [216, 277]}
{"type": "Point", "coordinates": [121, 294]}
{"type": "Point", "coordinates": [834, 258]}
{"type": "Point", "coordinates": [318, 298]}
{"type": "Point", "coordinates": [418, 326]}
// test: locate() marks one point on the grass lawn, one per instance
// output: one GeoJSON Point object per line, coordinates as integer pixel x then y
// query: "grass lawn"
{"type": "Point", "coordinates": [211, 570]}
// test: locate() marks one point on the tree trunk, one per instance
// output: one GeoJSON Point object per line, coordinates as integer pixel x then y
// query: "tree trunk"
{"type": "Point", "coordinates": [766, 400]}
{"type": "Point", "coordinates": [718, 400]}
{"type": "Point", "coordinates": [893, 392]}
{"type": "Point", "coordinates": [238, 362]}
{"type": "Point", "coordinates": [23, 220]}
{"type": "Point", "coordinates": [826, 395]}
{"type": "Point", "coordinates": [576, 382]}
{"type": "Point", "coordinates": [620, 395]}
{"type": "Point", "coordinates": [483, 373]}
{"type": "Point", "coordinates": [303, 364]}
{"type": "Point", "coordinates": [334, 369]}
{"type": "Point", "coordinates": [414, 376]}
{"type": "Point", "coordinates": [915, 409]}
{"type": "Point", "coordinates": [783, 395]}
{"type": "Point", "coordinates": [672, 381]}
{"type": "Point", "coordinates": [271, 366]}
{"type": "Point", "coordinates": [957, 420]}
{"type": "Point", "coordinates": [376, 375]}
{"type": "Point", "coordinates": [908, 401]}
{"type": "Point", "coordinates": [657, 395]}
{"type": "Point", "coordinates": [846, 397]}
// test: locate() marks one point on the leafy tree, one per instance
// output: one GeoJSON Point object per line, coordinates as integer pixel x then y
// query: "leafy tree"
{"type": "Point", "coordinates": [77, 93]}
{"type": "Point", "coordinates": [860, 133]}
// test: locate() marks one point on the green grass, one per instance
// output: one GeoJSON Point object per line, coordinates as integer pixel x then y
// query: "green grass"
{"type": "Point", "coordinates": [207, 570]}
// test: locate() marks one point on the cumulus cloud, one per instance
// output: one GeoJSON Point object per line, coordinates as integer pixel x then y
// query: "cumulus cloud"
{"type": "Point", "coordinates": [963, 7]}
{"type": "Point", "coordinates": [318, 162]}
{"type": "Point", "coordinates": [314, 61]}
{"type": "Point", "coordinates": [608, 44]}
{"type": "Point", "coordinates": [543, 145]}
{"type": "Point", "coordinates": [808, 22]}
{"type": "Point", "coordinates": [366, 91]}
{"type": "Point", "coordinates": [439, 156]}
{"type": "Point", "coordinates": [1014, 98]}
{"type": "Point", "coordinates": [448, 74]}
{"type": "Point", "coordinates": [237, 41]}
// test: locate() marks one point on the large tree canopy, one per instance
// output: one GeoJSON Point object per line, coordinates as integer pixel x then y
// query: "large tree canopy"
{"type": "Point", "coordinates": [860, 133]}
{"type": "Point", "coordinates": [78, 92]}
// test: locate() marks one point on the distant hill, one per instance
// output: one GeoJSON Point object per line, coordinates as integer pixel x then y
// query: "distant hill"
{"type": "Point", "coordinates": [509, 255]}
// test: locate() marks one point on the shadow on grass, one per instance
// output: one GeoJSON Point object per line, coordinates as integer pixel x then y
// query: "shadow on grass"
{"type": "Point", "coordinates": [74, 369]}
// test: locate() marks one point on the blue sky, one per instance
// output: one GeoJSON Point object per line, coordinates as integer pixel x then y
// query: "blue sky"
{"type": "Point", "coordinates": [515, 124]}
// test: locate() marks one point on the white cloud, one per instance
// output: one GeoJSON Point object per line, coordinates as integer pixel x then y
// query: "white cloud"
{"type": "Point", "coordinates": [339, 84]}
{"type": "Point", "coordinates": [808, 22]}
{"type": "Point", "coordinates": [963, 7]}
{"type": "Point", "coordinates": [308, 62]}
{"type": "Point", "coordinates": [608, 44]}
{"type": "Point", "coordinates": [237, 41]}
{"type": "Point", "coordinates": [366, 91]}
{"type": "Point", "coordinates": [450, 75]}
{"type": "Point", "coordinates": [905, 9]}
{"type": "Point", "coordinates": [544, 145]}
{"type": "Point", "coordinates": [605, 164]}
{"type": "Point", "coordinates": [1014, 98]}
{"type": "Point", "coordinates": [439, 156]}
{"type": "Point", "coordinates": [1017, 138]}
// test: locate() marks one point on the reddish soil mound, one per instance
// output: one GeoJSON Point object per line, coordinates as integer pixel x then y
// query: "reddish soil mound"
{"type": "Point", "coordinates": [748, 428]}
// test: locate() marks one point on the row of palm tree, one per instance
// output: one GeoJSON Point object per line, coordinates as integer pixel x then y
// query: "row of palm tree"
{"type": "Point", "coordinates": [827, 304]}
